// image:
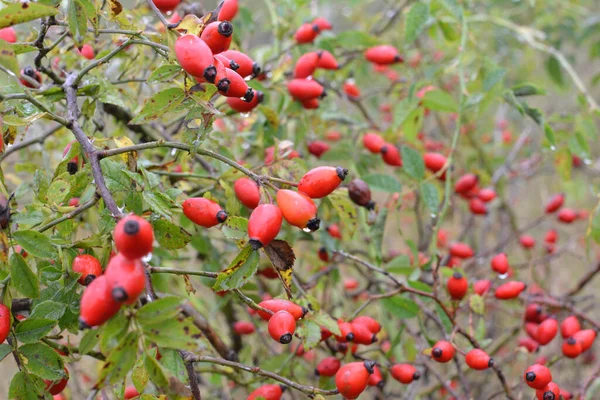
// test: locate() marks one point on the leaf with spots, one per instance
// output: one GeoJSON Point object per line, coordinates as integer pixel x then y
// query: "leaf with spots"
{"type": "Point", "coordinates": [241, 269]}
{"type": "Point", "coordinates": [169, 235]}
{"type": "Point", "coordinates": [24, 386]}
{"type": "Point", "coordinates": [164, 73]}
{"type": "Point", "coordinates": [23, 12]}
{"type": "Point", "coordinates": [139, 375]}
{"type": "Point", "coordinates": [77, 17]}
{"type": "Point", "coordinates": [57, 191]}
{"type": "Point", "coordinates": [235, 228]}
{"type": "Point", "coordinates": [175, 333]}
{"type": "Point", "coordinates": [158, 105]}
{"type": "Point", "coordinates": [310, 332]}
{"type": "Point", "coordinates": [42, 360]}
{"type": "Point", "coordinates": [35, 243]}
{"type": "Point", "coordinates": [282, 256]}
{"type": "Point", "coordinates": [159, 310]}
{"type": "Point", "coordinates": [120, 361]}
{"type": "Point", "coordinates": [31, 330]}
{"type": "Point", "coordinates": [8, 57]}
{"type": "Point", "coordinates": [346, 211]}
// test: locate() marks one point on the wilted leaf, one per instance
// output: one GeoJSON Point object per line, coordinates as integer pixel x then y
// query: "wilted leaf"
{"type": "Point", "coordinates": [18, 13]}
{"type": "Point", "coordinates": [282, 256]}
{"type": "Point", "coordinates": [241, 269]}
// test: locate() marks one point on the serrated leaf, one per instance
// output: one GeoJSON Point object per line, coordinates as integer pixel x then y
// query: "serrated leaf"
{"type": "Point", "coordinates": [89, 340]}
{"type": "Point", "coordinates": [35, 243]}
{"type": "Point", "coordinates": [25, 387]}
{"type": "Point", "coordinates": [48, 309]}
{"type": "Point", "coordinates": [42, 361]}
{"type": "Point", "coordinates": [32, 330]}
{"type": "Point", "coordinates": [8, 57]}
{"type": "Point", "coordinates": [235, 228]}
{"type": "Point", "coordinates": [346, 211]}
{"type": "Point", "coordinates": [159, 310]}
{"type": "Point", "coordinates": [155, 372]}
{"type": "Point", "coordinates": [174, 333]}
{"type": "Point", "coordinates": [18, 13]}
{"type": "Point", "coordinates": [438, 100]}
{"type": "Point", "coordinates": [158, 202]}
{"type": "Point", "coordinates": [412, 162]}
{"type": "Point", "coordinates": [139, 375]}
{"type": "Point", "coordinates": [431, 196]}
{"type": "Point", "coordinates": [415, 21]}
{"type": "Point", "coordinates": [77, 20]}
{"type": "Point", "coordinates": [57, 191]}
{"type": "Point", "coordinates": [383, 182]}
{"type": "Point", "coordinates": [401, 307]}
{"type": "Point", "coordinates": [164, 73]}
{"type": "Point", "coordinates": [23, 279]}
{"type": "Point", "coordinates": [242, 268]}
{"type": "Point", "coordinates": [169, 235]}
{"type": "Point", "coordinates": [121, 360]}
{"type": "Point", "coordinates": [158, 105]}
{"type": "Point", "coordinates": [477, 304]}
{"type": "Point", "coordinates": [311, 334]}
{"type": "Point", "coordinates": [326, 321]}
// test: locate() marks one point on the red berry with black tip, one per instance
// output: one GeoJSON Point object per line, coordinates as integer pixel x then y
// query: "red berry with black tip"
{"type": "Point", "coordinates": [276, 305]}
{"type": "Point", "coordinates": [126, 277]}
{"type": "Point", "coordinates": [373, 142]}
{"type": "Point", "coordinates": [264, 225]}
{"type": "Point", "coordinates": [133, 236]}
{"type": "Point", "coordinates": [218, 36]}
{"type": "Point", "coordinates": [247, 191]}
{"type": "Point", "coordinates": [307, 33]}
{"type": "Point", "coordinates": [571, 348]}
{"type": "Point", "coordinates": [569, 326]}
{"type": "Point", "coordinates": [391, 155]}
{"type": "Point", "coordinates": [88, 266]}
{"type": "Point", "coordinates": [442, 351]}
{"type": "Point", "coordinates": [328, 366]}
{"type": "Point", "coordinates": [383, 55]}
{"type": "Point", "coordinates": [346, 333]}
{"type": "Point", "coordinates": [537, 376]}
{"type": "Point", "coordinates": [193, 54]}
{"type": "Point", "coordinates": [282, 326]}
{"type": "Point", "coordinates": [586, 337]}
{"type": "Point", "coordinates": [298, 209]}
{"type": "Point", "coordinates": [306, 65]}
{"type": "Point", "coordinates": [478, 359]}
{"type": "Point", "coordinates": [550, 392]}
{"type": "Point", "coordinates": [57, 386]}
{"type": "Point", "coordinates": [533, 312]}
{"type": "Point", "coordinates": [375, 379]}
{"type": "Point", "coordinates": [246, 66]}
{"type": "Point", "coordinates": [327, 60]}
{"type": "Point", "coordinates": [305, 89]}
{"type": "Point", "coordinates": [244, 106]}
{"type": "Point", "coordinates": [457, 286]}
{"type": "Point", "coordinates": [230, 84]}
{"type": "Point", "coordinates": [547, 331]}
{"type": "Point", "coordinates": [405, 373]}
{"type": "Point", "coordinates": [555, 203]}
{"type": "Point", "coordinates": [5, 321]}
{"type": "Point", "coordinates": [362, 334]}
{"type": "Point", "coordinates": [31, 73]}
{"type": "Point", "coordinates": [203, 212]}
{"type": "Point", "coordinates": [321, 181]}
{"type": "Point", "coordinates": [351, 379]}
{"type": "Point", "coordinates": [322, 23]}
{"type": "Point", "coordinates": [97, 304]}
{"type": "Point", "coordinates": [323, 255]}
{"type": "Point", "coordinates": [500, 263]}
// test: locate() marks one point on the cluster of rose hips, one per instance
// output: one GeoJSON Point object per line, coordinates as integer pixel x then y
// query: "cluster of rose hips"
{"type": "Point", "coordinates": [539, 377]}
{"type": "Point", "coordinates": [467, 187]}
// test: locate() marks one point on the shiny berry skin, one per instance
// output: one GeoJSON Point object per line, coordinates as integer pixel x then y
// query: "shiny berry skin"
{"type": "Point", "coordinates": [465, 183]}
{"type": "Point", "coordinates": [477, 206]}
{"type": "Point", "coordinates": [5, 322]}
{"type": "Point", "coordinates": [373, 142]}
{"type": "Point", "coordinates": [351, 379]}
{"type": "Point", "coordinates": [360, 193]}
{"type": "Point", "coordinates": [276, 305]}
{"type": "Point", "coordinates": [126, 277]}
{"type": "Point", "coordinates": [322, 23]}
{"type": "Point", "coordinates": [486, 195]}
{"type": "Point", "coordinates": [551, 236]}
{"type": "Point", "coordinates": [88, 266]}
{"type": "Point", "coordinates": [586, 337]}
{"type": "Point", "coordinates": [457, 286]}
{"type": "Point", "coordinates": [203, 212]}
{"type": "Point", "coordinates": [555, 203]}
{"type": "Point", "coordinates": [230, 84]}
{"type": "Point", "coordinates": [55, 387]}
{"type": "Point", "coordinates": [243, 327]}
{"type": "Point", "coordinates": [531, 328]}
{"type": "Point", "coordinates": [362, 334]}
{"type": "Point", "coordinates": [282, 326]}
{"type": "Point", "coordinates": [247, 191]}
{"type": "Point", "coordinates": [8, 34]}
{"type": "Point", "coordinates": [533, 312]}
{"type": "Point", "coordinates": [133, 236]}
{"type": "Point", "coordinates": [244, 106]}
{"type": "Point", "coordinates": [547, 331]}
{"type": "Point", "coordinates": [166, 5]}
{"type": "Point", "coordinates": [246, 66]}
{"type": "Point", "coordinates": [305, 89]}
{"type": "Point", "coordinates": [567, 215]}
{"type": "Point", "coordinates": [334, 231]}
{"type": "Point", "coordinates": [218, 36]}
{"type": "Point", "coordinates": [351, 90]}
{"type": "Point", "coordinates": [97, 304]}
{"type": "Point", "coordinates": [310, 104]}
{"type": "Point", "coordinates": [569, 326]}
{"type": "Point", "coordinates": [405, 373]}
{"type": "Point", "coordinates": [228, 11]}
{"type": "Point", "coordinates": [391, 155]}
{"type": "Point", "coordinates": [509, 290]}
{"type": "Point", "coordinates": [369, 322]}
{"type": "Point", "coordinates": [442, 351]}
{"type": "Point", "coordinates": [327, 60]}
{"type": "Point", "coordinates": [306, 33]}
{"type": "Point", "coordinates": [461, 250]}
{"type": "Point", "coordinates": [537, 376]}
{"type": "Point", "coordinates": [306, 65]}
{"type": "Point", "coordinates": [346, 333]}
{"type": "Point", "coordinates": [527, 241]}
{"type": "Point", "coordinates": [231, 64]}
{"type": "Point", "coordinates": [500, 263]}
{"type": "Point", "coordinates": [318, 147]}
{"type": "Point", "coordinates": [298, 209]}
{"type": "Point", "coordinates": [31, 73]}
{"type": "Point", "coordinates": [264, 225]}
{"type": "Point", "coordinates": [87, 51]}
{"type": "Point", "coordinates": [571, 348]}
{"type": "Point", "coordinates": [267, 392]}
{"type": "Point", "coordinates": [482, 286]}
{"type": "Point", "coordinates": [193, 54]}
{"type": "Point", "coordinates": [328, 366]}
{"type": "Point", "coordinates": [383, 55]}
{"type": "Point", "coordinates": [478, 359]}
{"type": "Point", "coordinates": [321, 181]}
{"type": "Point", "coordinates": [434, 162]}
{"type": "Point", "coordinates": [375, 379]}
{"type": "Point", "coordinates": [550, 392]}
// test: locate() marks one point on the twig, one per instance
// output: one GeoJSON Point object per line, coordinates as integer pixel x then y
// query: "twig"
{"type": "Point", "coordinates": [26, 143]}
{"type": "Point", "coordinates": [82, 207]}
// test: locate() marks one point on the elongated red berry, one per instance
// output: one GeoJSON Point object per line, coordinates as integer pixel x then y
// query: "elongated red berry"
{"type": "Point", "coordinates": [243, 327]}
{"type": "Point", "coordinates": [434, 162]}
{"type": "Point", "coordinates": [307, 33]}
{"type": "Point", "coordinates": [362, 334]}
{"type": "Point", "coordinates": [369, 322]}
{"type": "Point", "coordinates": [500, 263]}
{"type": "Point", "coordinates": [571, 348]}
{"type": "Point", "coordinates": [567, 215]}
{"type": "Point", "coordinates": [383, 55]}
{"type": "Point", "coordinates": [530, 344]}
{"type": "Point", "coordinates": [133, 236]}
{"type": "Point", "coordinates": [306, 65]}
{"type": "Point", "coordinates": [346, 333]}
{"type": "Point", "coordinates": [5, 322]}
{"type": "Point", "coordinates": [465, 183]}
{"type": "Point", "coordinates": [565, 394]}
{"type": "Point", "coordinates": [442, 351]}
{"type": "Point", "coordinates": [537, 376]}
{"type": "Point", "coordinates": [97, 304]}
{"type": "Point", "coordinates": [57, 386]}
{"type": "Point", "coordinates": [305, 89]}
{"type": "Point", "coordinates": [282, 326]}
{"type": "Point", "coordinates": [569, 326]}
{"type": "Point", "coordinates": [551, 236]}
{"type": "Point", "coordinates": [264, 225]}
{"type": "Point", "coordinates": [244, 106]}
{"type": "Point", "coordinates": [351, 379]}
{"type": "Point", "coordinates": [478, 359]}
{"type": "Point", "coordinates": [231, 64]}
{"type": "Point", "coordinates": [322, 23]}
{"type": "Point", "coordinates": [88, 266]}
{"type": "Point", "coordinates": [550, 392]}
{"type": "Point", "coordinates": [351, 90]}
{"type": "Point", "coordinates": [267, 392]}
{"type": "Point", "coordinates": [321, 181]}
{"type": "Point", "coordinates": [310, 104]}
{"type": "Point", "coordinates": [390, 155]}
{"type": "Point", "coordinates": [203, 212]}
{"type": "Point", "coordinates": [509, 290]}
{"type": "Point", "coordinates": [555, 203]}
{"type": "Point", "coordinates": [486, 195]}
{"type": "Point", "coordinates": [457, 286]}
{"type": "Point", "coordinates": [193, 54]}
{"type": "Point", "coordinates": [87, 51]}
{"type": "Point", "coordinates": [318, 147]}
{"type": "Point", "coordinates": [533, 312]}
{"type": "Point", "coordinates": [477, 206]}
{"type": "Point", "coordinates": [230, 84]}
{"type": "Point", "coordinates": [298, 209]}
{"type": "Point", "coordinates": [482, 286]}
{"type": "Point", "coordinates": [328, 366]}
{"type": "Point", "coordinates": [527, 241]}
{"type": "Point", "coordinates": [228, 11]}
{"type": "Point", "coordinates": [334, 231]}
{"type": "Point", "coordinates": [8, 34]}
{"type": "Point", "coordinates": [218, 36]}
{"type": "Point", "coordinates": [586, 337]}
{"type": "Point", "coordinates": [276, 305]}
{"type": "Point", "coordinates": [373, 142]}
{"type": "Point", "coordinates": [405, 373]}
{"type": "Point", "coordinates": [246, 66]}
{"type": "Point", "coordinates": [31, 73]}
{"type": "Point", "coordinates": [531, 328]}
{"type": "Point", "coordinates": [126, 277]}
{"type": "Point", "coordinates": [166, 5]}
{"type": "Point", "coordinates": [248, 192]}
{"type": "Point", "coordinates": [547, 331]}
{"type": "Point", "coordinates": [327, 60]}
{"type": "Point", "coordinates": [376, 379]}
{"type": "Point", "coordinates": [461, 250]}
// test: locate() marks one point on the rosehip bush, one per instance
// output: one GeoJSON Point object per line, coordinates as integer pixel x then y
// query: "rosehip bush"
{"type": "Point", "coordinates": [299, 199]}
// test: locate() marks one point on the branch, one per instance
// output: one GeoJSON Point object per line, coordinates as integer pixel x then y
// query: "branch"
{"type": "Point", "coordinates": [587, 278]}
{"type": "Point", "coordinates": [82, 207]}
{"type": "Point", "coordinates": [26, 143]}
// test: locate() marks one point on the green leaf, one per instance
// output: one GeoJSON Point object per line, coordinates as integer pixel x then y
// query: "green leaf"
{"type": "Point", "coordinates": [8, 57]}
{"type": "Point", "coordinates": [241, 269]}
{"type": "Point", "coordinates": [121, 360]}
{"type": "Point", "coordinates": [235, 228]}
{"type": "Point", "coordinates": [156, 373]}
{"type": "Point", "coordinates": [444, 318]}
{"type": "Point", "coordinates": [554, 70]}
{"type": "Point", "coordinates": [77, 20]}
{"type": "Point", "coordinates": [25, 387]}
{"type": "Point", "coordinates": [412, 162]}
{"type": "Point", "coordinates": [415, 21]}
{"type": "Point", "coordinates": [23, 279]}
{"type": "Point", "coordinates": [89, 341]}
{"type": "Point", "coordinates": [18, 13]}
{"type": "Point", "coordinates": [5, 349]}
{"type": "Point", "coordinates": [549, 133]}
{"type": "Point", "coordinates": [169, 235]}
{"type": "Point", "coordinates": [49, 309]}
{"type": "Point", "coordinates": [326, 321]}
{"type": "Point", "coordinates": [492, 78]}
{"type": "Point", "coordinates": [35, 243]}
{"type": "Point", "coordinates": [449, 31]}
{"type": "Point", "coordinates": [350, 39]}
{"type": "Point", "coordinates": [400, 265]}
{"type": "Point", "coordinates": [158, 202]}
{"type": "Point", "coordinates": [346, 211]}
{"type": "Point", "coordinates": [57, 191]}
{"type": "Point", "coordinates": [164, 73]}
{"type": "Point", "coordinates": [477, 304]}
{"type": "Point", "coordinates": [173, 333]}
{"type": "Point", "coordinates": [139, 375]}
{"type": "Point", "coordinates": [401, 307]}
{"type": "Point", "coordinates": [43, 361]}
{"type": "Point", "coordinates": [438, 100]}
{"type": "Point", "coordinates": [159, 310]}
{"type": "Point", "coordinates": [32, 330]}
{"type": "Point", "coordinates": [527, 89]}
{"type": "Point", "coordinates": [310, 332]}
{"type": "Point", "coordinates": [158, 105]}
{"type": "Point", "coordinates": [431, 196]}
{"type": "Point", "coordinates": [383, 182]}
